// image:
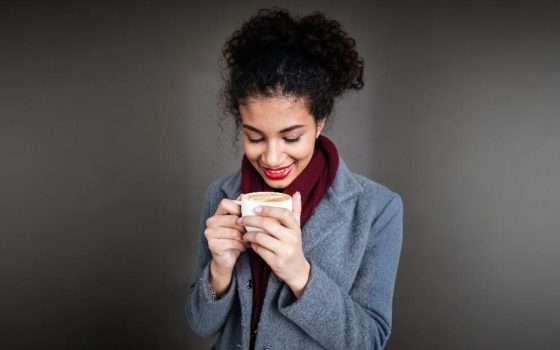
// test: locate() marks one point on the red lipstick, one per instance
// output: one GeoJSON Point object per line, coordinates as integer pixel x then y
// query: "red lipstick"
{"type": "Point", "coordinates": [278, 173]}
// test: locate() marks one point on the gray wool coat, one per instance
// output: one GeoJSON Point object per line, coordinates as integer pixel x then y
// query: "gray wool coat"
{"type": "Point", "coordinates": [353, 243]}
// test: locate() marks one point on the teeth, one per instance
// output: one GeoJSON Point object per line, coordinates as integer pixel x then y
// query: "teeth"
{"type": "Point", "coordinates": [278, 172]}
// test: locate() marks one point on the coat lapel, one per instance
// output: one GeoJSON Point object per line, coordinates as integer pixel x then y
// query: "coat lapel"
{"type": "Point", "coordinates": [334, 209]}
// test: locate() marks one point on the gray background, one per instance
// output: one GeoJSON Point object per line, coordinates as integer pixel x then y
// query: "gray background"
{"type": "Point", "coordinates": [109, 136]}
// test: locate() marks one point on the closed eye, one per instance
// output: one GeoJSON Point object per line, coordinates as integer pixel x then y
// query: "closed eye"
{"type": "Point", "coordinates": [288, 140]}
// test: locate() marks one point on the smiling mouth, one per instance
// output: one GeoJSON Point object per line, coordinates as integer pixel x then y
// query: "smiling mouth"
{"type": "Point", "coordinates": [278, 174]}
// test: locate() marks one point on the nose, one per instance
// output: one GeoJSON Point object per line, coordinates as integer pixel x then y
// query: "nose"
{"type": "Point", "coordinates": [272, 156]}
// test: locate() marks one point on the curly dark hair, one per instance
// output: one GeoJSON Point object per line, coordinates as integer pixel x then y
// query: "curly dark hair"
{"type": "Point", "coordinates": [275, 54]}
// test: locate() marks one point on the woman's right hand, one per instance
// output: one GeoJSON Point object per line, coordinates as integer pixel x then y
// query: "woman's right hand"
{"type": "Point", "coordinates": [224, 236]}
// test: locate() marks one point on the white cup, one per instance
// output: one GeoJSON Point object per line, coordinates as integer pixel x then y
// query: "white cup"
{"type": "Point", "coordinates": [251, 200]}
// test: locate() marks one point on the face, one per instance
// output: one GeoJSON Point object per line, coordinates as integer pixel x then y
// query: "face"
{"type": "Point", "coordinates": [278, 137]}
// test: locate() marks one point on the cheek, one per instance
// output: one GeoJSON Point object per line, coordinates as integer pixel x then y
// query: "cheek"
{"type": "Point", "coordinates": [299, 154]}
{"type": "Point", "coordinates": [303, 150]}
{"type": "Point", "coordinates": [251, 151]}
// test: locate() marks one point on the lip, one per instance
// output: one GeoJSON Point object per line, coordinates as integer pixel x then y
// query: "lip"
{"type": "Point", "coordinates": [268, 172]}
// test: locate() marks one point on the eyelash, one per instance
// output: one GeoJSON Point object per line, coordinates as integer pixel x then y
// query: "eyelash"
{"type": "Point", "coordinates": [285, 139]}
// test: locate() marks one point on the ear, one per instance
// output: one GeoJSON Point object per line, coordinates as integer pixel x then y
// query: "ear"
{"type": "Point", "coordinates": [320, 126]}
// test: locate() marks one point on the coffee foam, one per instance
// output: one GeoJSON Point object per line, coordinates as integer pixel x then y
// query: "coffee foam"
{"type": "Point", "coordinates": [267, 197]}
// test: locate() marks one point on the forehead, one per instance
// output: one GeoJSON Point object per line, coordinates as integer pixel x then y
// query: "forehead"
{"type": "Point", "coordinates": [268, 113]}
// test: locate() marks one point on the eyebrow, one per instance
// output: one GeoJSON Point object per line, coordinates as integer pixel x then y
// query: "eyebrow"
{"type": "Point", "coordinates": [293, 127]}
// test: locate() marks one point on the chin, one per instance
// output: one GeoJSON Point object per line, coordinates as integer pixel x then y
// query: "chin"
{"type": "Point", "coordinates": [277, 184]}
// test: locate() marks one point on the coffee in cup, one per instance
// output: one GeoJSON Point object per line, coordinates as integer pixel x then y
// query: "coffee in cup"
{"type": "Point", "coordinates": [251, 200]}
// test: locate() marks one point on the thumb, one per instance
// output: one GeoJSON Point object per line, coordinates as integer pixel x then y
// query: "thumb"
{"type": "Point", "coordinates": [296, 206]}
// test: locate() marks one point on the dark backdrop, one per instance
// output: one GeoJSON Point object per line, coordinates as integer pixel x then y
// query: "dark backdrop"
{"type": "Point", "coordinates": [109, 137]}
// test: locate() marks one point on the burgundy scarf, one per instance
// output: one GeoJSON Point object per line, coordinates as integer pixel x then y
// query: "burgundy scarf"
{"type": "Point", "coordinates": [312, 183]}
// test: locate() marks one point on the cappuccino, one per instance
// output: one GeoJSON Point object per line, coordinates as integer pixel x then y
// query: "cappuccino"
{"type": "Point", "coordinates": [267, 197]}
{"type": "Point", "coordinates": [264, 199]}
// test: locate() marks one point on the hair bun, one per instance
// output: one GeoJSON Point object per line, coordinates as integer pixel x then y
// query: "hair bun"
{"type": "Point", "coordinates": [317, 37]}
{"type": "Point", "coordinates": [268, 29]}
{"type": "Point", "coordinates": [274, 53]}
{"type": "Point", "coordinates": [326, 41]}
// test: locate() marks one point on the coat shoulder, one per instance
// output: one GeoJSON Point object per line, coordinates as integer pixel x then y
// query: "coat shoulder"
{"type": "Point", "coordinates": [376, 201]}
{"type": "Point", "coordinates": [375, 192]}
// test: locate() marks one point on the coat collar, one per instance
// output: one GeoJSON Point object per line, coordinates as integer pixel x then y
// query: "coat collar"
{"type": "Point", "coordinates": [329, 214]}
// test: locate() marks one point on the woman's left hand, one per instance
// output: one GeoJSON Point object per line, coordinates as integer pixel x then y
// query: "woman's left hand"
{"type": "Point", "coordinates": [280, 243]}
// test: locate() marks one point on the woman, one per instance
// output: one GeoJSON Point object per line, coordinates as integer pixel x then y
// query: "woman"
{"type": "Point", "coordinates": [318, 277]}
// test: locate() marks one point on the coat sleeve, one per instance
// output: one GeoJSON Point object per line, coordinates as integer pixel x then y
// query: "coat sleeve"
{"type": "Point", "coordinates": [360, 318]}
{"type": "Point", "coordinates": [205, 314]}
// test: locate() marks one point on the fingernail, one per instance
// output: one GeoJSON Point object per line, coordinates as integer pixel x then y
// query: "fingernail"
{"type": "Point", "coordinates": [239, 221]}
{"type": "Point", "coordinates": [258, 209]}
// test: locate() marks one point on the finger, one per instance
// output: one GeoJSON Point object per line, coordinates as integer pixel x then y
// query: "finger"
{"type": "Point", "coordinates": [266, 224]}
{"type": "Point", "coordinates": [238, 200]}
{"type": "Point", "coordinates": [223, 233]}
{"type": "Point", "coordinates": [297, 207]}
{"type": "Point", "coordinates": [263, 239]}
{"type": "Point", "coordinates": [224, 221]}
{"type": "Point", "coordinates": [228, 206]}
{"type": "Point", "coordinates": [284, 216]}
{"type": "Point", "coordinates": [268, 256]}
{"type": "Point", "coordinates": [219, 245]}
